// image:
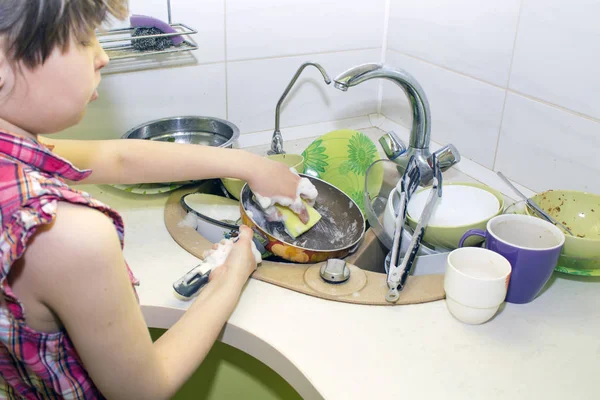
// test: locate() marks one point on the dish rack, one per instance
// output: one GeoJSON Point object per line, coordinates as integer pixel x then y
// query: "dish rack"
{"type": "Point", "coordinates": [117, 42]}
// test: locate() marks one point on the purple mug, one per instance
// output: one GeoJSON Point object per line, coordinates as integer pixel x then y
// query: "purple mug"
{"type": "Point", "coordinates": [531, 245]}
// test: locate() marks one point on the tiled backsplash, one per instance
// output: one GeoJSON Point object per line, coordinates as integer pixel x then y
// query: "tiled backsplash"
{"type": "Point", "coordinates": [512, 83]}
{"type": "Point", "coordinates": [255, 86]}
{"type": "Point", "coordinates": [249, 51]}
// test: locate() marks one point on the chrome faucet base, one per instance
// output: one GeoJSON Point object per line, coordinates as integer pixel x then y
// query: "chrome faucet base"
{"type": "Point", "coordinates": [422, 157]}
{"type": "Point", "coordinates": [276, 144]}
{"type": "Point", "coordinates": [397, 152]}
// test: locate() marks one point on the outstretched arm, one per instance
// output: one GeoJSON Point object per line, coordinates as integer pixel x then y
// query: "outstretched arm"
{"type": "Point", "coordinates": [145, 161]}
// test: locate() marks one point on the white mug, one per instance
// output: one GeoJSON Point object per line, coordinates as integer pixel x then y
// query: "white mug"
{"type": "Point", "coordinates": [476, 282]}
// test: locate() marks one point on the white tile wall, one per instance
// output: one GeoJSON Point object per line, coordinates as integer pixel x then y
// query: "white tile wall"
{"type": "Point", "coordinates": [464, 111]}
{"type": "Point", "coordinates": [257, 48]}
{"type": "Point", "coordinates": [127, 100]}
{"type": "Point", "coordinates": [154, 8]}
{"type": "Point", "coordinates": [470, 36]}
{"type": "Point", "coordinates": [557, 53]}
{"type": "Point", "coordinates": [208, 18]}
{"type": "Point", "coordinates": [254, 88]}
{"type": "Point", "coordinates": [539, 55]}
{"type": "Point", "coordinates": [274, 28]}
{"type": "Point", "coordinates": [543, 147]}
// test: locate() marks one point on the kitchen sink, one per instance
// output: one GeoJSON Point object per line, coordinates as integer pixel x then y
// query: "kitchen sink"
{"type": "Point", "coordinates": [370, 256]}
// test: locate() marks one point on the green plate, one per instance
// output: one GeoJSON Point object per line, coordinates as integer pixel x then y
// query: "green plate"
{"type": "Point", "coordinates": [578, 266]}
{"type": "Point", "coordinates": [579, 272]}
{"type": "Point", "coordinates": [150, 188]}
{"type": "Point", "coordinates": [342, 158]}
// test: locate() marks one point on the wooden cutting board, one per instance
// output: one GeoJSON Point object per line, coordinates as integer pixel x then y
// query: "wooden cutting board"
{"type": "Point", "coordinates": [363, 287]}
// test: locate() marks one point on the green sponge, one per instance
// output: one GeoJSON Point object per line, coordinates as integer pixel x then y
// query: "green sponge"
{"type": "Point", "coordinates": [293, 225]}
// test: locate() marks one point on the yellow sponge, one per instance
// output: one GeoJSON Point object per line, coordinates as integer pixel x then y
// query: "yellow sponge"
{"type": "Point", "coordinates": [293, 225]}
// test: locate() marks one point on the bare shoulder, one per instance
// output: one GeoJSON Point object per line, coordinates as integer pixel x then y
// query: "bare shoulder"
{"type": "Point", "coordinates": [78, 231]}
{"type": "Point", "coordinates": [83, 224]}
{"type": "Point", "coordinates": [81, 243]}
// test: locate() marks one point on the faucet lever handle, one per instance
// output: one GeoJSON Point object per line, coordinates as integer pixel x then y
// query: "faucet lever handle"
{"type": "Point", "coordinates": [392, 145]}
{"type": "Point", "coordinates": [446, 157]}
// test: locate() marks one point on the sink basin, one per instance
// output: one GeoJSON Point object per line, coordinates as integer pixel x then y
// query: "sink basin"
{"type": "Point", "coordinates": [372, 253]}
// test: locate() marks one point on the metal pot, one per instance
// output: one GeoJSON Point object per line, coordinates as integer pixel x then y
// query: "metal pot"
{"type": "Point", "coordinates": [208, 131]}
{"type": "Point", "coordinates": [339, 232]}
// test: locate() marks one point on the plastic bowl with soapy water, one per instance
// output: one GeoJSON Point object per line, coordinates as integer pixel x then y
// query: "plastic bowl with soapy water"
{"type": "Point", "coordinates": [214, 217]}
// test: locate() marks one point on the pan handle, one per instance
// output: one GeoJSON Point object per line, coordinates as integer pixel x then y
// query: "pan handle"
{"type": "Point", "coordinates": [190, 284]}
{"type": "Point", "coordinates": [259, 241]}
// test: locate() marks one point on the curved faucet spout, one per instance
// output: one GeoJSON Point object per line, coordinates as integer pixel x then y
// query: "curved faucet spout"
{"type": "Point", "coordinates": [277, 140]}
{"type": "Point", "coordinates": [421, 128]}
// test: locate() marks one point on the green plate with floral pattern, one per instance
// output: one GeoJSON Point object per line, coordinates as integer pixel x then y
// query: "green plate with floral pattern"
{"type": "Point", "coordinates": [342, 158]}
{"type": "Point", "coordinates": [150, 188]}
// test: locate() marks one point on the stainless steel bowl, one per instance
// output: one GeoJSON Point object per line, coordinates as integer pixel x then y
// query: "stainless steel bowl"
{"type": "Point", "coordinates": [208, 131]}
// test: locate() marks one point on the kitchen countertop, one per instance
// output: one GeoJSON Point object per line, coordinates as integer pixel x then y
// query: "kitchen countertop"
{"type": "Point", "coordinates": [546, 349]}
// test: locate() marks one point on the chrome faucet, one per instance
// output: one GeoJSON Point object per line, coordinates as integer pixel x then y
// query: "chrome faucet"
{"type": "Point", "coordinates": [420, 133]}
{"type": "Point", "coordinates": [277, 139]}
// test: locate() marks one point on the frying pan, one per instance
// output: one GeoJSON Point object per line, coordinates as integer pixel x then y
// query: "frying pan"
{"type": "Point", "coordinates": [336, 235]}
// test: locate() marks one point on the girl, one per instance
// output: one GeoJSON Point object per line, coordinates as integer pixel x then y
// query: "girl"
{"type": "Point", "coordinates": [70, 324]}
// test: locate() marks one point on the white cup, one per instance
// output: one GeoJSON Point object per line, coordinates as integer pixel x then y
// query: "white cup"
{"type": "Point", "coordinates": [475, 282]}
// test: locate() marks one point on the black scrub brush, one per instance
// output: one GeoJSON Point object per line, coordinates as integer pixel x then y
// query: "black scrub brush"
{"type": "Point", "coordinates": [145, 26]}
{"type": "Point", "coordinates": [151, 43]}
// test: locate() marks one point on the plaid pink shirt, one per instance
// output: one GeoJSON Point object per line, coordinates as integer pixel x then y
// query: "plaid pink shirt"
{"type": "Point", "coordinates": [35, 365]}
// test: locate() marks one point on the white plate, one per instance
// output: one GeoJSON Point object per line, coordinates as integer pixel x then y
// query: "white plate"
{"type": "Point", "coordinates": [216, 207]}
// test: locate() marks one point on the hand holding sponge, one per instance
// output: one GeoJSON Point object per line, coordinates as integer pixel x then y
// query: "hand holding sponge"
{"type": "Point", "coordinates": [297, 214]}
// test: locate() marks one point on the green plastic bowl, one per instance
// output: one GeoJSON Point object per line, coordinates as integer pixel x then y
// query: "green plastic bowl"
{"type": "Point", "coordinates": [234, 186]}
{"type": "Point", "coordinates": [578, 211]}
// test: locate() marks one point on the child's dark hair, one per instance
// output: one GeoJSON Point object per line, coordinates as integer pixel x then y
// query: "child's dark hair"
{"type": "Point", "coordinates": [31, 29]}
